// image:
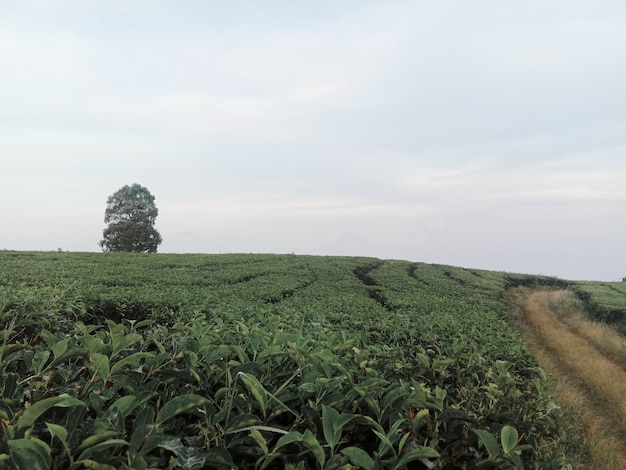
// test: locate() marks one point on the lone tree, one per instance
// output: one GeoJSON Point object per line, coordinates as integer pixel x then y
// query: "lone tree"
{"type": "Point", "coordinates": [131, 214]}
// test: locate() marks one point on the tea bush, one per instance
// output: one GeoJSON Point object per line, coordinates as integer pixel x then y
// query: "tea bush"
{"type": "Point", "coordinates": [264, 361]}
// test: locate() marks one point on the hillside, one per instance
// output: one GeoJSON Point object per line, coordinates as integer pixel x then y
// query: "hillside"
{"type": "Point", "coordinates": [588, 361]}
{"type": "Point", "coordinates": [271, 361]}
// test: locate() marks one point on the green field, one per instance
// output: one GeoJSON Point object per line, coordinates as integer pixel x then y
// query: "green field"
{"type": "Point", "coordinates": [269, 361]}
{"type": "Point", "coordinates": [605, 302]}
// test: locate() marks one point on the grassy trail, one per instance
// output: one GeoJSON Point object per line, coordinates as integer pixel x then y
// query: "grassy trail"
{"type": "Point", "coordinates": [589, 362]}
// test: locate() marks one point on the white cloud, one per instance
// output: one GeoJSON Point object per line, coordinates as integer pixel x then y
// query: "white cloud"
{"type": "Point", "coordinates": [477, 133]}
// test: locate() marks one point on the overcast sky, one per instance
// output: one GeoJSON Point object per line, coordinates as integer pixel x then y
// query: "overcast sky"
{"type": "Point", "coordinates": [483, 134]}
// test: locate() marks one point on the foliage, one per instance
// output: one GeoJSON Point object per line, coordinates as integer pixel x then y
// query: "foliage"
{"type": "Point", "coordinates": [264, 361]}
{"type": "Point", "coordinates": [131, 214]}
{"type": "Point", "coordinates": [130, 237]}
{"type": "Point", "coordinates": [606, 301]}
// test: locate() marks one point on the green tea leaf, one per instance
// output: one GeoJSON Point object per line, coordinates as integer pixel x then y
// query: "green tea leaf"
{"type": "Point", "coordinates": [153, 437]}
{"type": "Point", "coordinates": [73, 423]}
{"type": "Point", "coordinates": [33, 412]}
{"type": "Point", "coordinates": [242, 421]}
{"type": "Point", "coordinates": [385, 444]}
{"type": "Point", "coordinates": [48, 337]}
{"type": "Point", "coordinates": [290, 438]}
{"type": "Point", "coordinates": [329, 415]}
{"type": "Point", "coordinates": [392, 396]}
{"type": "Point", "coordinates": [402, 442]}
{"type": "Point", "coordinates": [179, 405]}
{"type": "Point", "coordinates": [96, 465]}
{"type": "Point", "coordinates": [114, 420]}
{"type": "Point", "coordinates": [489, 441]}
{"type": "Point", "coordinates": [218, 353]}
{"type": "Point", "coordinates": [87, 453]}
{"type": "Point", "coordinates": [144, 438]}
{"type": "Point", "coordinates": [359, 457]}
{"type": "Point", "coordinates": [40, 358]}
{"type": "Point", "coordinates": [503, 367]}
{"type": "Point", "coordinates": [144, 424]}
{"type": "Point", "coordinates": [367, 420]}
{"type": "Point", "coordinates": [120, 339]}
{"type": "Point", "coordinates": [96, 402]}
{"type": "Point", "coordinates": [96, 438]}
{"type": "Point", "coordinates": [58, 431]}
{"type": "Point", "coordinates": [30, 454]}
{"type": "Point", "coordinates": [256, 388]}
{"type": "Point", "coordinates": [172, 443]}
{"type": "Point", "coordinates": [126, 343]}
{"type": "Point", "coordinates": [508, 437]}
{"type": "Point", "coordinates": [333, 423]}
{"type": "Point", "coordinates": [192, 458]}
{"type": "Point", "coordinates": [259, 439]}
{"type": "Point", "coordinates": [417, 454]}
{"type": "Point", "coordinates": [102, 366]}
{"type": "Point", "coordinates": [314, 446]}
{"type": "Point", "coordinates": [10, 385]}
{"type": "Point", "coordinates": [219, 457]}
{"type": "Point", "coordinates": [6, 413]}
{"type": "Point", "coordinates": [436, 401]}
{"type": "Point", "coordinates": [125, 404]}
{"type": "Point", "coordinates": [117, 332]}
{"type": "Point", "coordinates": [273, 350]}
{"type": "Point", "coordinates": [59, 348]}
{"type": "Point", "coordinates": [417, 398]}
{"type": "Point", "coordinates": [61, 434]}
{"type": "Point", "coordinates": [133, 361]}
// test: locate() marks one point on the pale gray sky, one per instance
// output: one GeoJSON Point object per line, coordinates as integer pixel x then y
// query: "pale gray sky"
{"type": "Point", "coordinates": [483, 134]}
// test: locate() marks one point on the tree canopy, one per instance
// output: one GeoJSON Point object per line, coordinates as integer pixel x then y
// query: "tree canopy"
{"type": "Point", "coordinates": [131, 214]}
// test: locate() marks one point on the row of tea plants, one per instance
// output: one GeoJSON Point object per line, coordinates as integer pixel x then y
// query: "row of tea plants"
{"type": "Point", "coordinates": [268, 362]}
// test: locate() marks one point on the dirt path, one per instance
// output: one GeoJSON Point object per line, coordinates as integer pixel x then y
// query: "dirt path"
{"type": "Point", "coordinates": [589, 362]}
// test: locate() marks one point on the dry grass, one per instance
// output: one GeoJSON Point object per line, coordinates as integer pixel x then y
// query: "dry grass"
{"type": "Point", "coordinates": [594, 445]}
{"type": "Point", "coordinates": [585, 358]}
{"type": "Point", "coordinates": [570, 311]}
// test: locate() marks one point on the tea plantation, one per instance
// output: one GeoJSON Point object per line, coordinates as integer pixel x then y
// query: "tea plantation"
{"type": "Point", "coordinates": [120, 361]}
